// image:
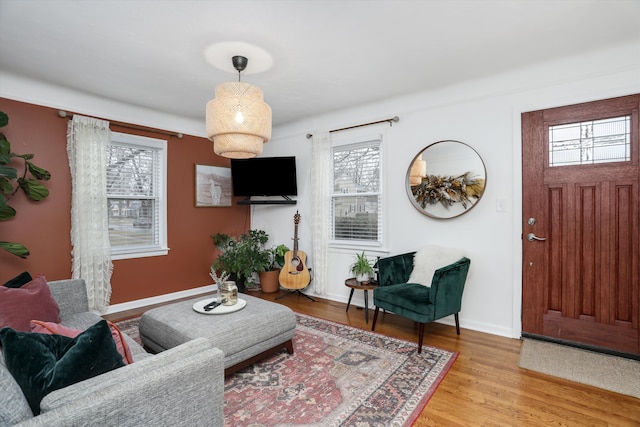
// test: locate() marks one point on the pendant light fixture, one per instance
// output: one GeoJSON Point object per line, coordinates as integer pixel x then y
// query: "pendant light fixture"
{"type": "Point", "coordinates": [238, 120]}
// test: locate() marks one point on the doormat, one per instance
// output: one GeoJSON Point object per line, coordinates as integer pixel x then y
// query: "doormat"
{"type": "Point", "coordinates": [604, 371]}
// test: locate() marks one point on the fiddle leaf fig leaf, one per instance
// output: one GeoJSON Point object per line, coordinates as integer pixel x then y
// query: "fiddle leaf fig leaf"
{"type": "Point", "coordinates": [8, 171]}
{"type": "Point", "coordinates": [15, 248]}
{"type": "Point", "coordinates": [33, 189]}
{"type": "Point", "coordinates": [5, 188]}
{"type": "Point", "coordinates": [38, 172]}
{"type": "Point", "coordinates": [9, 176]}
{"type": "Point", "coordinates": [6, 212]}
{"type": "Point", "coordinates": [5, 150]}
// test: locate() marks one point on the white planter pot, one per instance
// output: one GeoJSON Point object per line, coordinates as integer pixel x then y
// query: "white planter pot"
{"type": "Point", "coordinates": [362, 277]}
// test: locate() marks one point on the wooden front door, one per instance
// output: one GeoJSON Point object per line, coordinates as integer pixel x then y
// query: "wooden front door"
{"type": "Point", "coordinates": [580, 178]}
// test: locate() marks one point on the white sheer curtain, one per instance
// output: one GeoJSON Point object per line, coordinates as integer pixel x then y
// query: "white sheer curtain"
{"type": "Point", "coordinates": [87, 139]}
{"type": "Point", "coordinates": [320, 203]}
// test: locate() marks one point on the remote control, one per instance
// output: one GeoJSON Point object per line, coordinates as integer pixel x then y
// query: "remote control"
{"type": "Point", "coordinates": [211, 305]}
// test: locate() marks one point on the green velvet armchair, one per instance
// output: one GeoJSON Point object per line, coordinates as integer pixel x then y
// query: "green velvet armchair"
{"type": "Point", "coordinates": [416, 301]}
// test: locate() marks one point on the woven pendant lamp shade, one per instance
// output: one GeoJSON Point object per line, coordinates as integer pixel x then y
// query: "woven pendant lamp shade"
{"type": "Point", "coordinates": [238, 120]}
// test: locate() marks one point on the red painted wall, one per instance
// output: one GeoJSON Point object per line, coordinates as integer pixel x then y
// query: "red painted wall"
{"type": "Point", "coordinates": [44, 227]}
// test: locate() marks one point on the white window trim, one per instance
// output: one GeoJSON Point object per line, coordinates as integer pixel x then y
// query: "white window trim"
{"type": "Point", "coordinates": [162, 248]}
{"type": "Point", "coordinates": [380, 244]}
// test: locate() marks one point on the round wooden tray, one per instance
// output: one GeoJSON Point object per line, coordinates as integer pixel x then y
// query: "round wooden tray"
{"type": "Point", "coordinates": [221, 309]}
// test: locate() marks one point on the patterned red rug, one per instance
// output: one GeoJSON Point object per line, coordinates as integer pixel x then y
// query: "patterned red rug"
{"type": "Point", "coordinates": [337, 376]}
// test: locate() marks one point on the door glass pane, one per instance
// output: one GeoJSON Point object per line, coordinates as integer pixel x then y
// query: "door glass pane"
{"type": "Point", "coordinates": [589, 142]}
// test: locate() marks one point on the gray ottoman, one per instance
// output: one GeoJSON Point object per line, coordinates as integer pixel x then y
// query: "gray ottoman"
{"type": "Point", "coordinates": [245, 336]}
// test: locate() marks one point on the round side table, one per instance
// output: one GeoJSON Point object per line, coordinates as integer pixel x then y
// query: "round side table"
{"type": "Point", "coordinates": [354, 284]}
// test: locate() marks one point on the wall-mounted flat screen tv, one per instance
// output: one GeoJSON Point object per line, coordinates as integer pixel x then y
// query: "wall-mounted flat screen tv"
{"type": "Point", "coordinates": [264, 176]}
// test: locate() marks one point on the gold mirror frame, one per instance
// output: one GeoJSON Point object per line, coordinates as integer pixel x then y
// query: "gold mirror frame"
{"type": "Point", "coordinates": [446, 179]}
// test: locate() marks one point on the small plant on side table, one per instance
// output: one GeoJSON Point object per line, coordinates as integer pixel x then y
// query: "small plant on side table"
{"type": "Point", "coordinates": [362, 267]}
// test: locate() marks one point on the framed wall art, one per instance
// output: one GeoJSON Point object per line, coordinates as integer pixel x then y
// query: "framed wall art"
{"type": "Point", "coordinates": [213, 186]}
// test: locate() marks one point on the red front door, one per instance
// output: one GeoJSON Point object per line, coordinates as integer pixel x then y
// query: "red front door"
{"type": "Point", "coordinates": [580, 194]}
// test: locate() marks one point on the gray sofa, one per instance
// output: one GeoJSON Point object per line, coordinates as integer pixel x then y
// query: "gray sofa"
{"type": "Point", "coordinates": [182, 386]}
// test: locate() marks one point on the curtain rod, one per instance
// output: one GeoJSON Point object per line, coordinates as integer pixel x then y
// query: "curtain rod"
{"type": "Point", "coordinates": [64, 114]}
{"type": "Point", "coordinates": [392, 120]}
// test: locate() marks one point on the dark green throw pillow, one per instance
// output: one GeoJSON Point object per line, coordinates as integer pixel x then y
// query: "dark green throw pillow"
{"type": "Point", "coordinates": [43, 363]}
{"type": "Point", "coordinates": [21, 279]}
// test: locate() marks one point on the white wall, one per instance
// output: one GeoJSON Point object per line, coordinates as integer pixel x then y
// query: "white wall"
{"type": "Point", "coordinates": [484, 114]}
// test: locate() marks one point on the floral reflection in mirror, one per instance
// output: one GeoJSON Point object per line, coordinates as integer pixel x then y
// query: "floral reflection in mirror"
{"type": "Point", "coordinates": [446, 179]}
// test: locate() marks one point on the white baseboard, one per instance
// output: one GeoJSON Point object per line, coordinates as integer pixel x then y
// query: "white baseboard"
{"type": "Point", "coordinates": [131, 305]}
{"type": "Point", "coordinates": [358, 301]}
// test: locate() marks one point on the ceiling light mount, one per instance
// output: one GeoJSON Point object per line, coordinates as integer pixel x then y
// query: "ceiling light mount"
{"type": "Point", "coordinates": [218, 54]}
{"type": "Point", "coordinates": [239, 63]}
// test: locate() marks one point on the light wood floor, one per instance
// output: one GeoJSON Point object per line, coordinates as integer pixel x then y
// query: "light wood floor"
{"type": "Point", "coordinates": [485, 386]}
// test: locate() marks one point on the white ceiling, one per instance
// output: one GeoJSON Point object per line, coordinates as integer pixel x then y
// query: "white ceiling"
{"type": "Point", "coordinates": [327, 55]}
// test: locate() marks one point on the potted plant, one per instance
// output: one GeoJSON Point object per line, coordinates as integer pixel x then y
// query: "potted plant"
{"type": "Point", "coordinates": [269, 278]}
{"type": "Point", "coordinates": [362, 267]}
{"type": "Point", "coordinates": [12, 180]}
{"type": "Point", "coordinates": [242, 256]}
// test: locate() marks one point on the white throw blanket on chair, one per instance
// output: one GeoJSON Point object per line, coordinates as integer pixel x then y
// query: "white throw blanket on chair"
{"type": "Point", "coordinates": [430, 258]}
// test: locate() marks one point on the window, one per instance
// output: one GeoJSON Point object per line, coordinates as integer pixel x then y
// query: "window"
{"type": "Point", "coordinates": [136, 194]}
{"type": "Point", "coordinates": [589, 142]}
{"type": "Point", "coordinates": [356, 201]}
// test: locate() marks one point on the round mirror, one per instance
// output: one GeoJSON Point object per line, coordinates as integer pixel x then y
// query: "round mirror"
{"type": "Point", "coordinates": [446, 179]}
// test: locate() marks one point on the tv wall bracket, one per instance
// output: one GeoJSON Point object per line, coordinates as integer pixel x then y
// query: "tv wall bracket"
{"type": "Point", "coordinates": [287, 201]}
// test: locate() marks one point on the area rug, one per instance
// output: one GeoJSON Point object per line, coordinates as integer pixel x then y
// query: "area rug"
{"type": "Point", "coordinates": [604, 371]}
{"type": "Point", "coordinates": [130, 327]}
{"type": "Point", "coordinates": [337, 376]}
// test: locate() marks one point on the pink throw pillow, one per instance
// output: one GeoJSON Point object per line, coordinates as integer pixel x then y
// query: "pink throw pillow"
{"type": "Point", "coordinates": [18, 306]}
{"type": "Point", "coordinates": [55, 328]}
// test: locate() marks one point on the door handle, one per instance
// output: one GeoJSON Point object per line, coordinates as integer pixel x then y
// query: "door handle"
{"type": "Point", "coordinates": [531, 237]}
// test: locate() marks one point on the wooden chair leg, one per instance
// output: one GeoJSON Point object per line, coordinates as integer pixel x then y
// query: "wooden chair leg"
{"type": "Point", "coordinates": [375, 318]}
{"type": "Point", "coordinates": [420, 336]}
{"type": "Point", "coordinates": [457, 323]}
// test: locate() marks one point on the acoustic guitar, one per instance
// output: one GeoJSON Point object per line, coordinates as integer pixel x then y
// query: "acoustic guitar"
{"type": "Point", "coordinates": [294, 274]}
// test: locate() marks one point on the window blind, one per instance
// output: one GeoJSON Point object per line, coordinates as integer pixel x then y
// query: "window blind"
{"type": "Point", "coordinates": [356, 207]}
{"type": "Point", "coordinates": [133, 191]}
